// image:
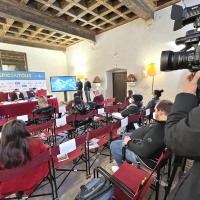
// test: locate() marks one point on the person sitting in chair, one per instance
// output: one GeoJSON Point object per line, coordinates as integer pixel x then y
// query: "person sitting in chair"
{"type": "Point", "coordinates": [17, 95]}
{"type": "Point", "coordinates": [98, 98]}
{"type": "Point", "coordinates": [134, 107]}
{"type": "Point", "coordinates": [43, 108]}
{"type": "Point", "coordinates": [144, 144]}
{"type": "Point", "coordinates": [33, 93]}
{"type": "Point", "coordinates": [17, 147]}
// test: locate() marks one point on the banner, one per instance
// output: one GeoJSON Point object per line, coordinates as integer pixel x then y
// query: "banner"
{"type": "Point", "coordinates": [22, 80]}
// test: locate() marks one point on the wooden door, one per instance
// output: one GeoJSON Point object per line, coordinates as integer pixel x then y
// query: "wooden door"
{"type": "Point", "coordinates": [119, 86]}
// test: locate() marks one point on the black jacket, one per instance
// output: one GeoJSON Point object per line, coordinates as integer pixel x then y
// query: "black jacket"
{"type": "Point", "coordinates": [87, 86]}
{"type": "Point", "coordinates": [79, 85]}
{"type": "Point", "coordinates": [46, 111]}
{"type": "Point", "coordinates": [132, 109]}
{"type": "Point", "coordinates": [182, 137]}
{"type": "Point", "coordinates": [82, 108]}
{"type": "Point", "coordinates": [148, 143]}
{"type": "Point", "coordinates": [14, 96]}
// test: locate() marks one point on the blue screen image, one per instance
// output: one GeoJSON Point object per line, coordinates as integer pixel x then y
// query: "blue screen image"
{"type": "Point", "coordinates": [63, 83]}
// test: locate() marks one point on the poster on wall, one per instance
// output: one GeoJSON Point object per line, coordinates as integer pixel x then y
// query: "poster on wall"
{"type": "Point", "coordinates": [22, 80]}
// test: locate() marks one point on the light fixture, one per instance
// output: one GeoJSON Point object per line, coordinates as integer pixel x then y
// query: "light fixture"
{"type": "Point", "coordinates": [80, 75]}
{"type": "Point", "coordinates": [152, 71]}
{"type": "Point", "coordinates": [131, 80]}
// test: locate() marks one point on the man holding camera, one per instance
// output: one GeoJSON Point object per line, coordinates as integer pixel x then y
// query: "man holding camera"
{"type": "Point", "coordinates": [182, 137]}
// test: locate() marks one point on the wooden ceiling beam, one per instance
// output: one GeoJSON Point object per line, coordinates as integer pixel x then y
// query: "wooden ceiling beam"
{"type": "Point", "coordinates": [23, 42]}
{"type": "Point", "coordinates": [140, 7]}
{"type": "Point", "coordinates": [12, 9]}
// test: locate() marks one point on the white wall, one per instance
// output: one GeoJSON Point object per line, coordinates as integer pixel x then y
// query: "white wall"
{"type": "Point", "coordinates": [53, 63]}
{"type": "Point", "coordinates": [136, 46]}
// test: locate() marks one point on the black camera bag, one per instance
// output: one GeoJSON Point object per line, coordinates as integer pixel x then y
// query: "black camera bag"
{"type": "Point", "coordinates": [96, 189]}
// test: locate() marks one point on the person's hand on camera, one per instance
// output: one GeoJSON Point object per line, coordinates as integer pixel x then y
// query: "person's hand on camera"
{"type": "Point", "coordinates": [190, 85]}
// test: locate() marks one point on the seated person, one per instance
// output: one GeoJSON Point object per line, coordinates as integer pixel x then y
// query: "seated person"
{"type": "Point", "coordinates": [70, 102]}
{"type": "Point", "coordinates": [129, 94]}
{"type": "Point", "coordinates": [33, 93]}
{"type": "Point", "coordinates": [43, 108]}
{"type": "Point", "coordinates": [98, 98]}
{"type": "Point", "coordinates": [134, 107]}
{"type": "Point", "coordinates": [17, 147]}
{"type": "Point", "coordinates": [156, 98]}
{"type": "Point", "coordinates": [79, 107]}
{"type": "Point", "coordinates": [145, 143]}
{"type": "Point", "coordinates": [17, 95]}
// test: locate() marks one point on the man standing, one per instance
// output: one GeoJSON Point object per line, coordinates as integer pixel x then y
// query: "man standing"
{"type": "Point", "coordinates": [87, 88]}
{"type": "Point", "coordinates": [79, 87]}
{"type": "Point", "coordinates": [146, 143]}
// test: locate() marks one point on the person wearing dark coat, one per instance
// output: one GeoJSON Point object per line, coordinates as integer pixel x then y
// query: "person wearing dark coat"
{"type": "Point", "coordinates": [33, 93]}
{"type": "Point", "coordinates": [17, 95]}
{"type": "Point", "coordinates": [87, 88]}
{"type": "Point", "coordinates": [79, 87]}
{"type": "Point", "coordinates": [145, 143]}
{"type": "Point", "coordinates": [134, 107]}
{"type": "Point", "coordinates": [182, 137]}
{"type": "Point", "coordinates": [43, 108]}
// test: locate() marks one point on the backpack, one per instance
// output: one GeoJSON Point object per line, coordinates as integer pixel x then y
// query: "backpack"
{"type": "Point", "coordinates": [96, 189]}
{"type": "Point", "coordinates": [93, 105]}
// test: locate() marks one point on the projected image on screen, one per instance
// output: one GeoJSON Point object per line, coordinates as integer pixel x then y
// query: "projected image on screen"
{"type": "Point", "coordinates": [63, 83]}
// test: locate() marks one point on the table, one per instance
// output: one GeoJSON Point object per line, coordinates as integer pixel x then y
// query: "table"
{"type": "Point", "coordinates": [17, 109]}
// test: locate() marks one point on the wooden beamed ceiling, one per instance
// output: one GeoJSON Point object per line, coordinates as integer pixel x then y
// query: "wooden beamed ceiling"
{"type": "Point", "coordinates": [57, 24]}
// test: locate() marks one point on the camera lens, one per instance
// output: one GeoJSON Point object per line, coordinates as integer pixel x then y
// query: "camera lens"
{"type": "Point", "coordinates": [176, 60]}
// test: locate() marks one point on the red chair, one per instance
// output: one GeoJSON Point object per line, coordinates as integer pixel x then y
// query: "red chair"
{"type": "Point", "coordinates": [110, 101]}
{"type": "Point", "coordinates": [3, 96]}
{"type": "Point", "coordinates": [67, 126]}
{"type": "Point", "coordinates": [97, 134]}
{"type": "Point", "coordinates": [42, 93]}
{"type": "Point", "coordinates": [29, 181]}
{"type": "Point", "coordinates": [77, 155]}
{"type": "Point", "coordinates": [83, 122]}
{"type": "Point", "coordinates": [156, 171]}
{"type": "Point", "coordinates": [109, 110]}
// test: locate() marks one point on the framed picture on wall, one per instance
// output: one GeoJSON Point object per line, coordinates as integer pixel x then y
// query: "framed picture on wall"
{"type": "Point", "coordinates": [13, 61]}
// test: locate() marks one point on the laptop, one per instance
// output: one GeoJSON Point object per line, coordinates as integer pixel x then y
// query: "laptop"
{"type": "Point", "coordinates": [136, 125]}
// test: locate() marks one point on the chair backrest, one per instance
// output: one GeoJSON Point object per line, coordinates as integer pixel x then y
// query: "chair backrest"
{"type": "Point", "coordinates": [152, 109]}
{"type": "Point", "coordinates": [81, 139]}
{"type": "Point", "coordinates": [110, 100]}
{"type": "Point", "coordinates": [38, 127]}
{"type": "Point", "coordinates": [3, 96]}
{"type": "Point", "coordinates": [113, 108]}
{"type": "Point", "coordinates": [68, 108]}
{"type": "Point", "coordinates": [98, 132]}
{"type": "Point", "coordinates": [115, 125]}
{"type": "Point", "coordinates": [70, 118]}
{"type": "Point", "coordinates": [123, 105]}
{"type": "Point", "coordinates": [12, 173]}
{"type": "Point", "coordinates": [80, 117]}
{"type": "Point", "coordinates": [42, 93]}
{"type": "Point", "coordinates": [133, 118]}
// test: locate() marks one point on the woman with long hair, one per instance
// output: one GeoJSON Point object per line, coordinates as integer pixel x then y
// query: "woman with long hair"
{"type": "Point", "coordinates": [17, 147]}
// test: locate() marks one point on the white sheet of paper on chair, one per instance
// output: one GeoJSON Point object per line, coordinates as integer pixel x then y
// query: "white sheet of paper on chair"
{"type": "Point", "coordinates": [61, 121]}
{"type": "Point", "coordinates": [67, 147]}
{"type": "Point", "coordinates": [23, 117]}
{"type": "Point", "coordinates": [62, 110]}
{"type": "Point", "coordinates": [147, 112]}
{"type": "Point", "coordinates": [100, 111]}
{"type": "Point", "coordinates": [124, 122]}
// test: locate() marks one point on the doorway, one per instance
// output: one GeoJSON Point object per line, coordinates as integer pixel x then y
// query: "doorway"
{"type": "Point", "coordinates": [119, 86]}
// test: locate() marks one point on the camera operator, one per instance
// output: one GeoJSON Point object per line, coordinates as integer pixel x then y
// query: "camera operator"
{"type": "Point", "coordinates": [182, 137]}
